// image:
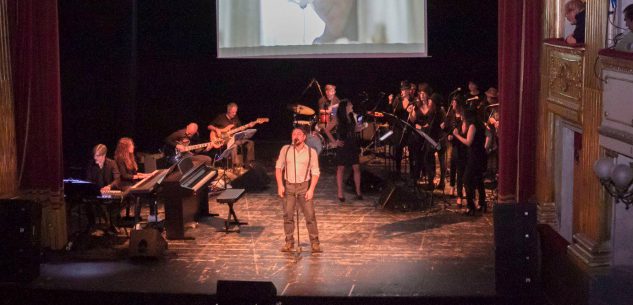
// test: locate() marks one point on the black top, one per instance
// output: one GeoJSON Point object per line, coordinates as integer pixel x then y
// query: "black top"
{"type": "Point", "coordinates": [451, 122]}
{"type": "Point", "coordinates": [579, 31]}
{"type": "Point", "coordinates": [108, 175]}
{"type": "Point", "coordinates": [477, 150]}
{"type": "Point", "coordinates": [127, 175]}
{"type": "Point", "coordinates": [222, 121]}
{"type": "Point", "coordinates": [181, 137]}
{"type": "Point", "coordinates": [345, 129]}
{"type": "Point", "coordinates": [398, 108]}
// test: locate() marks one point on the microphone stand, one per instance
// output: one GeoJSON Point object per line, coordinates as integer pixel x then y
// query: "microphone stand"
{"type": "Point", "coordinates": [298, 247]}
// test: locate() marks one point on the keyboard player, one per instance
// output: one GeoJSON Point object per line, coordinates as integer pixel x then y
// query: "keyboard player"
{"type": "Point", "coordinates": [124, 157]}
{"type": "Point", "coordinates": [103, 172]}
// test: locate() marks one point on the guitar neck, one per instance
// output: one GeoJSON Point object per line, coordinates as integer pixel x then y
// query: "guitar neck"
{"type": "Point", "coordinates": [193, 147]}
{"type": "Point", "coordinates": [241, 128]}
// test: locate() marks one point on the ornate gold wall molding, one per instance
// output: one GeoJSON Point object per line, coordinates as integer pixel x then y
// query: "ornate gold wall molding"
{"type": "Point", "coordinates": [565, 76]}
{"type": "Point", "coordinates": [8, 152]}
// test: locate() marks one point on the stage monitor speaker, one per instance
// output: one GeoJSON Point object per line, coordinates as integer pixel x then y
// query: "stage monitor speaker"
{"type": "Point", "coordinates": [246, 292]}
{"type": "Point", "coordinates": [20, 246]}
{"type": "Point", "coordinates": [147, 243]}
{"type": "Point", "coordinates": [254, 180]}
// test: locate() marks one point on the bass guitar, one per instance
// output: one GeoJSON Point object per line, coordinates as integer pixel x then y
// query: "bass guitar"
{"type": "Point", "coordinates": [219, 138]}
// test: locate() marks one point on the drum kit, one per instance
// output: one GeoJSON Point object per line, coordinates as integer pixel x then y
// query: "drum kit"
{"type": "Point", "coordinates": [305, 117]}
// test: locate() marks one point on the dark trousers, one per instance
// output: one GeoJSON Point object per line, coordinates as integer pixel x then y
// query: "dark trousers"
{"type": "Point", "coordinates": [295, 198]}
{"type": "Point", "coordinates": [474, 180]}
{"type": "Point", "coordinates": [458, 166]}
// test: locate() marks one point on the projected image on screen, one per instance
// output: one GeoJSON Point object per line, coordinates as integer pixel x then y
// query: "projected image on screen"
{"type": "Point", "coordinates": [321, 28]}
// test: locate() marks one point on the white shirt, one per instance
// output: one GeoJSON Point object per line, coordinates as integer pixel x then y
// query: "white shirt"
{"type": "Point", "coordinates": [626, 43]}
{"type": "Point", "coordinates": [305, 163]}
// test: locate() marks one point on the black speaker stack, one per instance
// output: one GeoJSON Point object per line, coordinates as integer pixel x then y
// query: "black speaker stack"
{"type": "Point", "coordinates": [516, 249]}
{"type": "Point", "coordinates": [19, 240]}
{"type": "Point", "coordinates": [254, 180]}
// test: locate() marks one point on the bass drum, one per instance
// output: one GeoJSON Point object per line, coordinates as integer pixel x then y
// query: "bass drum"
{"type": "Point", "coordinates": [316, 141]}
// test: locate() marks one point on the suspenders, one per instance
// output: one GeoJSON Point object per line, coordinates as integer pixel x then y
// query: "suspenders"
{"type": "Point", "coordinates": [307, 168]}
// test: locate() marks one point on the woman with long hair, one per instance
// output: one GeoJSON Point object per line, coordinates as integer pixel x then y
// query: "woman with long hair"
{"type": "Point", "coordinates": [348, 148]}
{"type": "Point", "coordinates": [128, 168]}
{"type": "Point", "coordinates": [475, 140]}
{"type": "Point", "coordinates": [458, 149]}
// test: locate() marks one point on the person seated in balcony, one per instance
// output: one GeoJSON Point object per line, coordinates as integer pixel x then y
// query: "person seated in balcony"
{"type": "Point", "coordinates": [625, 44]}
{"type": "Point", "coordinates": [575, 14]}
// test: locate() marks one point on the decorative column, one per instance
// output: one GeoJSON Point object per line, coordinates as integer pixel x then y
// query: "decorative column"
{"type": "Point", "coordinates": [591, 229]}
{"type": "Point", "coordinates": [8, 161]}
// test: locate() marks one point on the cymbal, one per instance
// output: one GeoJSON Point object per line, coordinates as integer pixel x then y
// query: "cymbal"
{"type": "Point", "coordinates": [301, 109]}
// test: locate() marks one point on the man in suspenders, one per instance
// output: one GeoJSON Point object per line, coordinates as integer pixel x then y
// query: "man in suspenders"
{"type": "Point", "coordinates": [298, 167]}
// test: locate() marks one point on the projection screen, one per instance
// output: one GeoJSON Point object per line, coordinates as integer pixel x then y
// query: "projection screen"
{"type": "Point", "coordinates": [321, 28]}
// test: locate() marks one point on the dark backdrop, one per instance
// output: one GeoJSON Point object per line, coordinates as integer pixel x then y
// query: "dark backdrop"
{"type": "Point", "coordinates": [145, 68]}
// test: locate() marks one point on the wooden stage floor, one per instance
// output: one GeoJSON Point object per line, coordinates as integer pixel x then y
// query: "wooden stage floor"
{"type": "Point", "coordinates": [367, 251]}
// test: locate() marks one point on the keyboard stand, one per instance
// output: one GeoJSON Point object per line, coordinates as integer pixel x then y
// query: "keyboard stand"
{"type": "Point", "coordinates": [230, 196]}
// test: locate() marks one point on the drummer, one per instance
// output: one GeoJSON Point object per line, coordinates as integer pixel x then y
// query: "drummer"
{"type": "Point", "coordinates": [327, 105]}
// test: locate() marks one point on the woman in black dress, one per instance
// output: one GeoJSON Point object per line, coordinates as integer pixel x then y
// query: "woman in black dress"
{"type": "Point", "coordinates": [348, 147]}
{"type": "Point", "coordinates": [458, 149]}
{"type": "Point", "coordinates": [475, 140]}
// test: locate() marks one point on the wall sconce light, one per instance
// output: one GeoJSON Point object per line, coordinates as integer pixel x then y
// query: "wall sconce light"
{"type": "Point", "coordinates": [616, 179]}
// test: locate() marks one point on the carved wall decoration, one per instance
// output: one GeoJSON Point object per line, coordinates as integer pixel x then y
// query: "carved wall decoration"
{"type": "Point", "coordinates": [565, 73]}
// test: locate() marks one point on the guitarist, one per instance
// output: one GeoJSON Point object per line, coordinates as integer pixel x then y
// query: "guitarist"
{"type": "Point", "coordinates": [180, 139]}
{"type": "Point", "coordinates": [227, 121]}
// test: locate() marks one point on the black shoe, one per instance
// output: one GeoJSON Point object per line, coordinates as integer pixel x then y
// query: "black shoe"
{"type": "Point", "coordinates": [358, 197]}
{"type": "Point", "coordinates": [341, 199]}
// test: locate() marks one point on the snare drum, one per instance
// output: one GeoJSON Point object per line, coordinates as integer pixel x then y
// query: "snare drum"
{"type": "Point", "coordinates": [316, 141]}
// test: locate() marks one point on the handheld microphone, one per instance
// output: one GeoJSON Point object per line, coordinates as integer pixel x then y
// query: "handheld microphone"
{"type": "Point", "coordinates": [295, 142]}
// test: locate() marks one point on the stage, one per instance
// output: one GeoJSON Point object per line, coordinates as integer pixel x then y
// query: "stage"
{"type": "Point", "coordinates": [368, 251]}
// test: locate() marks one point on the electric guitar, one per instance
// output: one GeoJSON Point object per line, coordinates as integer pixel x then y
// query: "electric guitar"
{"type": "Point", "coordinates": [218, 139]}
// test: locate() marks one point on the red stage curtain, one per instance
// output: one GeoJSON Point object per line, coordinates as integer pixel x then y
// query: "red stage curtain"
{"type": "Point", "coordinates": [519, 45]}
{"type": "Point", "coordinates": [533, 26]}
{"type": "Point", "coordinates": [36, 85]}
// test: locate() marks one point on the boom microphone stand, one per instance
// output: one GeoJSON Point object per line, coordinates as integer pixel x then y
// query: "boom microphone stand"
{"type": "Point", "coordinates": [298, 247]}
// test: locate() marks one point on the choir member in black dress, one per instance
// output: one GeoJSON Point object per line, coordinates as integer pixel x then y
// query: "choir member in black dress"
{"type": "Point", "coordinates": [475, 140]}
{"type": "Point", "coordinates": [348, 146]}
{"type": "Point", "coordinates": [401, 106]}
{"type": "Point", "coordinates": [421, 119]}
{"type": "Point", "coordinates": [458, 149]}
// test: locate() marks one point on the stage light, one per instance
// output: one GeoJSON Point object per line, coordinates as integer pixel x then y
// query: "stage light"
{"type": "Point", "coordinates": [616, 180]}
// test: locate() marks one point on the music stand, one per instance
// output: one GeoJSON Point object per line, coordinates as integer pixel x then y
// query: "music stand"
{"type": "Point", "coordinates": [225, 155]}
{"type": "Point", "coordinates": [232, 144]}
